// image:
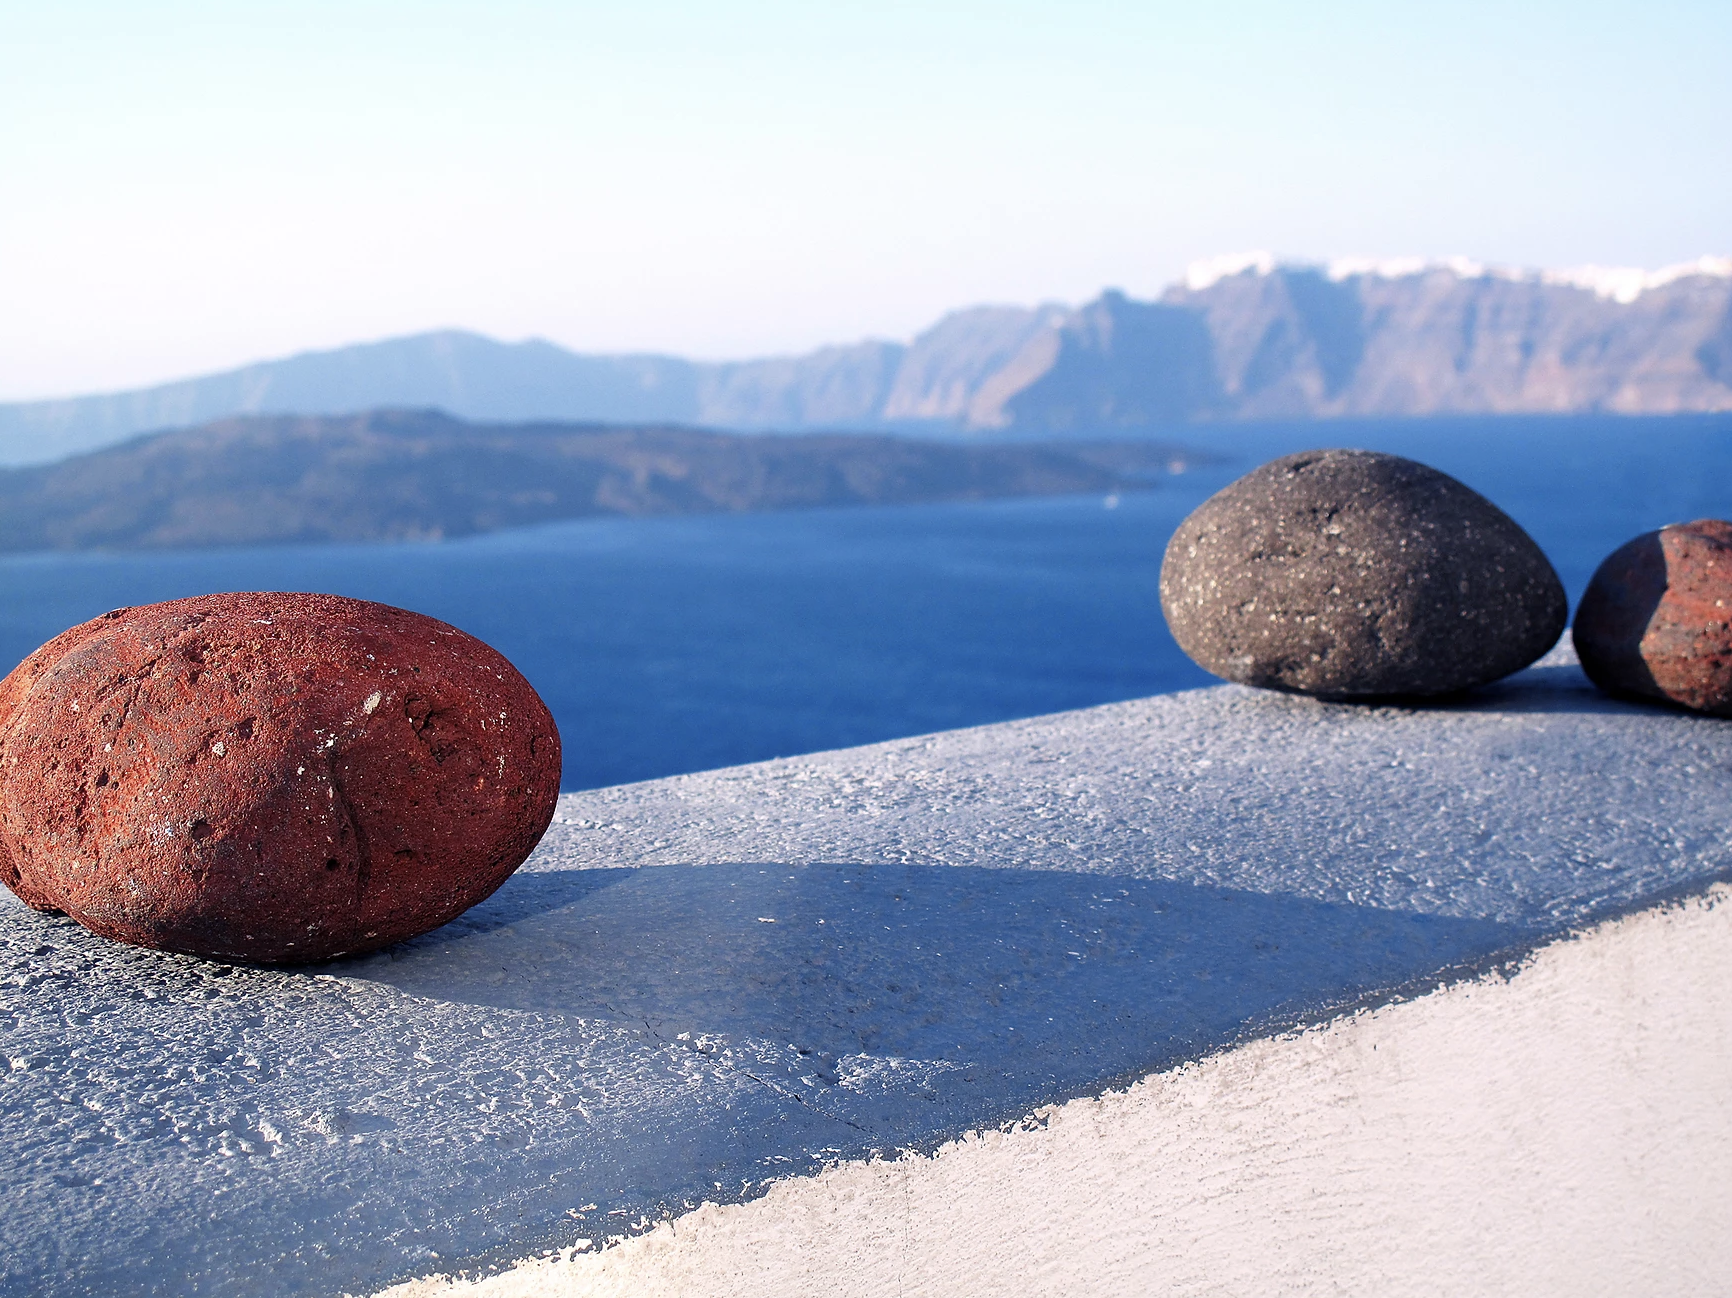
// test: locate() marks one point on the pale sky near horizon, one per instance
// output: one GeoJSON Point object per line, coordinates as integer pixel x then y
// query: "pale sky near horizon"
{"type": "Point", "coordinates": [189, 186]}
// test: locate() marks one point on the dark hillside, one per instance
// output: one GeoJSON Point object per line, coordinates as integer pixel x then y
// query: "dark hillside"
{"type": "Point", "coordinates": [421, 475]}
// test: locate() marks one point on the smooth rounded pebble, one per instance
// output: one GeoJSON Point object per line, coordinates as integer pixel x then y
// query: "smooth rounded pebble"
{"type": "Point", "coordinates": [1357, 575]}
{"type": "Point", "coordinates": [1656, 620]}
{"type": "Point", "coordinates": [269, 777]}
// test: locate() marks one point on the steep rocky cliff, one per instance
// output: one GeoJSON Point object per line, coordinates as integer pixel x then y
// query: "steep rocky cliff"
{"type": "Point", "coordinates": [1300, 341]}
{"type": "Point", "coordinates": [1247, 339]}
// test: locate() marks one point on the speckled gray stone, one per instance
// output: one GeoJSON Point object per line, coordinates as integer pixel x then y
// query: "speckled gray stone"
{"type": "Point", "coordinates": [1353, 574]}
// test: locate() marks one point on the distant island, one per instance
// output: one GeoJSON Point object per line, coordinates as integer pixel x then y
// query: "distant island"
{"type": "Point", "coordinates": [1239, 339]}
{"type": "Point", "coordinates": [409, 475]}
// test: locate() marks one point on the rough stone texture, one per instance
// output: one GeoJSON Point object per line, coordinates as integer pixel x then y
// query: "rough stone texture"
{"type": "Point", "coordinates": [1656, 620]}
{"type": "Point", "coordinates": [269, 777]}
{"type": "Point", "coordinates": [1353, 574]}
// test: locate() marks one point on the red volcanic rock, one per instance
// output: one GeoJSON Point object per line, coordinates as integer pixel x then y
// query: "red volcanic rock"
{"type": "Point", "coordinates": [1657, 618]}
{"type": "Point", "coordinates": [269, 777]}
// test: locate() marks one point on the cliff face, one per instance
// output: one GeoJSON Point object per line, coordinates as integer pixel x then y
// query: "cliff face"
{"type": "Point", "coordinates": [1267, 341]}
{"type": "Point", "coordinates": [1298, 343]}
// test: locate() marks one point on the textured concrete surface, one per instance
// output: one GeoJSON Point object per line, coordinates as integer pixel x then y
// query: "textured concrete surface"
{"type": "Point", "coordinates": [702, 985]}
{"type": "Point", "coordinates": [1561, 1134]}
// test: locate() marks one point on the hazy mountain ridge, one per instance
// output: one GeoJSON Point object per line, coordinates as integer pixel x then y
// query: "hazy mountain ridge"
{"type": "Point", "coordinates": [1245, 339]}
{"type": "Point", "coordinates": [1297, 342]}
{"type": "Point", "coordinates": [403, 475]}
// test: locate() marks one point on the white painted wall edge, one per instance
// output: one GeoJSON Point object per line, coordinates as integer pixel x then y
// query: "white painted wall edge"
{"type": "Point", "coordinates": [1563, 1131]}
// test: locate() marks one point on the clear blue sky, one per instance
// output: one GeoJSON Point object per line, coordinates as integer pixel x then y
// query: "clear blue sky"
{"type": "Point", "coordinates": [185, 186]}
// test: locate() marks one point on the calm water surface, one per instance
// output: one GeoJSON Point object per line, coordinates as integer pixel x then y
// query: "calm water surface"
{"type": "Point", "coordinates": [670, 645]}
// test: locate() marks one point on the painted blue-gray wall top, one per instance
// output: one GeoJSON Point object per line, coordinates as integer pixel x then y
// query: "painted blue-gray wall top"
{"type": "Point", "coordinates": [700, 984]}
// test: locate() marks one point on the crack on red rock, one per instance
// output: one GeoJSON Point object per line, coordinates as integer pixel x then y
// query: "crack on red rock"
{"type": "Point", "coordinates": [424, 717]}
{"type": "Point", "coordinates": [137, 683]}
{"type": "Point", "coordinates": [363, 853]}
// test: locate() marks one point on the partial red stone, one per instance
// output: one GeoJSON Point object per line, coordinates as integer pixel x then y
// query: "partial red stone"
{"type": "Point", "coordinates": [269, 777]}
{"type": "Point", "coordinates": [1656, 620]}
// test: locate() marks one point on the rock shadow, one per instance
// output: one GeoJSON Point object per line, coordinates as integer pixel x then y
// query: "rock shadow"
{"type": "Point", "coordinates": [1559, 688]}
{"type": "Point", "coordinates": [1555, 688]}
{"type": "Point", "coordinates": [866, 988]}
{"type": "Point", "coordinates": [1550, 688]}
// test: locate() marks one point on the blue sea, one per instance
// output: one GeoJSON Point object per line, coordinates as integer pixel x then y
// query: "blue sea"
{"type": "Point", "coordinates": [680, 644]}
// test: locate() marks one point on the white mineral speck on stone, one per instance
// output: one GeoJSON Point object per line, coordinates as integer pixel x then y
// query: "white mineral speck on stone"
{"type": "Point", "coordinates": [372, 700]}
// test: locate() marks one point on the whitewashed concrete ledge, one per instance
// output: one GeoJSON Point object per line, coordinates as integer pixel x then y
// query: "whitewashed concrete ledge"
{"type": "Point", "coordinates": [1220, 992]}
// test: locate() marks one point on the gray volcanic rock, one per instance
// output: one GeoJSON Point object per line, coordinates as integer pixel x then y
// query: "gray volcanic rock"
{"type": "Point", "coordinates": [1351, 574]}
